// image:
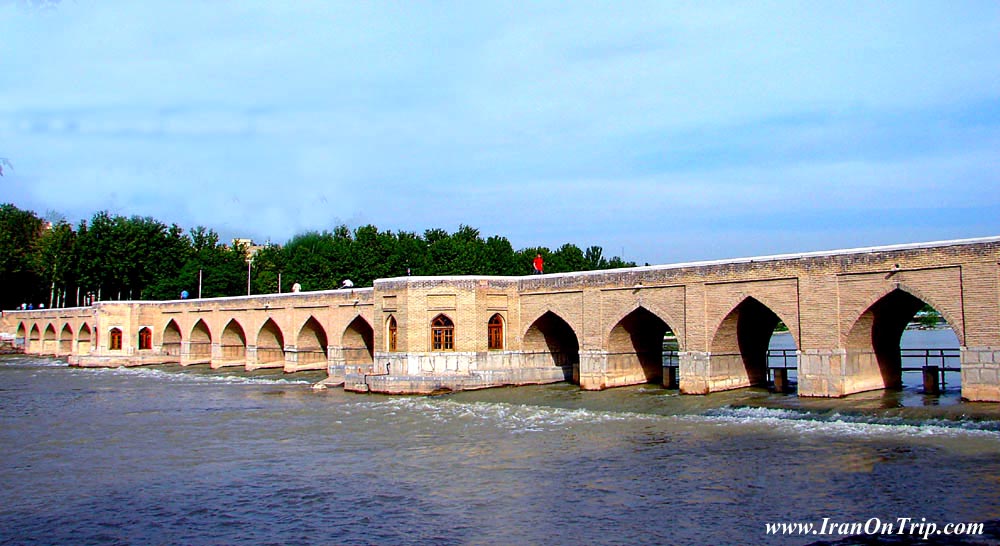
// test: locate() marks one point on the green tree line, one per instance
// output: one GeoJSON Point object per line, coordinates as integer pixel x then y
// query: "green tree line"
{"type": "Point", "coordinates": [113, 257]}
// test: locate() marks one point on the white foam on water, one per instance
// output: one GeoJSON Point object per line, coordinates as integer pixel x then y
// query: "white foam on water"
{"type": "Point", "coordinates": [844, 425]}
{"type": "Point", "coordinates": [182, 377]}
{"type": "Point", "coordinates": [33, 362]}
{"type": "Point", "coordinates": [527, 418]}
{"type": "Point", "coordinates": [514, 417]}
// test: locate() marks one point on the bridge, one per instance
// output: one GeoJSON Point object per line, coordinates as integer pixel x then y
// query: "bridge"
{"type": "Point", "coordinates": [846, 311]}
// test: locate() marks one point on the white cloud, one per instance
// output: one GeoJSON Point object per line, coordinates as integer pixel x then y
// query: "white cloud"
{"type": "Point", "coordinates": [547, 122]}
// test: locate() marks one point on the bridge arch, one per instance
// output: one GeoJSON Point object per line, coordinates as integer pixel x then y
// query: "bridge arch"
{"type": "Point", "coordinates": [358, 343]}
{"type": "Point", "coordinates": [200, 342]}
{"type": "Point", "coordinates": [171, 345]}
{"type": "Point", "coordinates": [49, 340]}
{"type": "Point", "coordinates": [552, 341]}
{"type": "Point", "coordinates": [311, 344]}
{"type": "Point", "coordinates": [21, 337]}
{"type": "Point", "coordinates": [234, 341]}
{"type": "Point", "coordinates": [270, 344]}
{"type": "Point", "coordinates": [83, 339]}
{"type": "Point", "coordinates": [34, 339]}
{"type": "Point", "coordinates": [873, 342]}
{"type": "Point", "coordinates": [741, 340]}
{"type": "Point", "coordinates": [66, 340]}
{"type": "Point", "coordinates": [635, 344]}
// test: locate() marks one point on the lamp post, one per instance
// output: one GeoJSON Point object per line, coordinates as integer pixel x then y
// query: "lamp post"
{"type": "Point", "coordinates": [249, 263]}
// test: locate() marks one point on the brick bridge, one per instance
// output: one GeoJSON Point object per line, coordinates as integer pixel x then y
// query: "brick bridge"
{"type": "Point", "coordinates": [846, 311]}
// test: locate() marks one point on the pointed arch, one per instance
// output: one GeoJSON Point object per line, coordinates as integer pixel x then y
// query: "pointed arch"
{"type": "Point", "coordinates": [145, 339]}
{"type": "Point", "coordinates": [200, 340]}
{"type": "Point", "coordinates": [234, 341]}
{"type": "Point", "coordinates": [311, 344]}
{"type": "Point", "coordinates": [657, 313]}
{"type": "Point", "coordinates": [34, 339]}
{"type": "Point", "coordinates": [358, 343]}
{"type": "Point", "coordinates": [83, 339]}
{"type": "Point", "coordinates": [66, 340]}
{"type": "Point", "coordinates": [49, 343]}
{"type": "Point", "coordinates": [741, 341]}
{"type": "Point", "coordinates": [171, 346]}
{"type": "Point", "coordinates": [551, 341]}
{"type": "Point", "coordinates": [635, 345]}
{"type": "Point", "coordinates": [874, 357]}
{"type": "Point", "coordinates": [392, 334]}
{"type": "Point", "coordinates": [495, 332]}
{"type": "Point", "coordinates": [954, 322]}
{"type": "Point", "coordinates": [270, 343]}
{"type": "Point", "coordinates": [442, 333]}
{"type": "Point", "coordinates": [21, 337]}
{"type": "Point", "coordinates": [115, 339]}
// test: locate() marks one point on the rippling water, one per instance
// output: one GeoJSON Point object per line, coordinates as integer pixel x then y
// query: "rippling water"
{"type": "Point", "coordinates": [161, 456]}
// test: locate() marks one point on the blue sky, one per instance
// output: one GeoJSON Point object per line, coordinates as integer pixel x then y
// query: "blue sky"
{"type": "Point", "coordinates": [670, 131]}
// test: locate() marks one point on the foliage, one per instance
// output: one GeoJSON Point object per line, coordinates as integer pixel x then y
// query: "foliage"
{"type": "Point", "coordinates": [117, 257]}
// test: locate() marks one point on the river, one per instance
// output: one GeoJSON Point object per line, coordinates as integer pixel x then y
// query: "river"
{"type": "Point", "coordinates": [195, 456]}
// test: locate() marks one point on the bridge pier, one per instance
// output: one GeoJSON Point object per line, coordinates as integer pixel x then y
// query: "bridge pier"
{"type": "Point", "coordinates": [981, 374]}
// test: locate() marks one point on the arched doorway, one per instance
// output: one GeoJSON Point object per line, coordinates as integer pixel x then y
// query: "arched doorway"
{"type": "Point", "coordinates": [495, 333]}
{"type": "Point", "coordinates": [551, 341]}
{"type": "Point", "coordinates": [145, 341]}
{"type": "Point", "coordinates": [742, 343]}
{"type": "Point", "coordinates": [358, 343]}
{"type": "Point", "coordinates": [900, 332]}
{"type": "Point", "coordinates": [21, 336]}
{"type": "Point", "coordinates": [310, 347]}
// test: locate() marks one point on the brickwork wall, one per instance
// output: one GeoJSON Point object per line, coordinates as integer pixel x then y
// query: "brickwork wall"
{"type": "Point", "coordinates": [819, 296]}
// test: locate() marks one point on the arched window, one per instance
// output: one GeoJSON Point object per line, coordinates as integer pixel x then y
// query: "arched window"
{"type": "Point", "coordinates": [145, 339]}
{"type": "Point", "coordinates": [495, 330]}
{"type": "Point", "coordinates": [442, 334]}
{"type": "Point", "coordinates": [393, 333]}
{"type": "Point", "coordinates": [115, 340]}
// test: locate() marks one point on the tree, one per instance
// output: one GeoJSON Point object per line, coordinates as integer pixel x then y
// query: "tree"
{"type": "Point", "coordinates": [20, 231]}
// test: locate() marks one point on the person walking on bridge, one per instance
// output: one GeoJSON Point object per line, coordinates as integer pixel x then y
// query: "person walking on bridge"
{"type": "Point", "coordinates": [539, 264]}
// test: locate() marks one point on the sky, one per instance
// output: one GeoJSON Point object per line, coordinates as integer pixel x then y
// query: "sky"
{"type": "Point", "coordinates": [662, 131]}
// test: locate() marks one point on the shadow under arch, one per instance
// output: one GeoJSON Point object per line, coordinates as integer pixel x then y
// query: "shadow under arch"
{"type": "Point", "coordinates": [49, 340]}
{"type": "Point", "coordinates": [171, 346]}
{"type": "Point", "coordinates": [311, 343]}
{"type": "Point", "coordinates": [83, 339]}
{"type": "Point", "coordinates": [740, 344]}
{"type": "Point", "coordinates": [34, 339]}
{"type": "Point", "coordinates": [358, 343]}
{"type": "Point", "coordinates": [200, 342]}
{"type": "Point", "coordinates": [552, 338]}
{"type": "Point", "coordinates": [66, 340]}
{"type": "Point", "coordinates": [873, 343]}
{"type": "Point", "coordinates": [234, 341]}
{"type": "Point", "coordinates": [636, 343]}
{"type": "Point", "coordinates": [21, 337]}
{"type": "Point", "coordinates": [270, 345]}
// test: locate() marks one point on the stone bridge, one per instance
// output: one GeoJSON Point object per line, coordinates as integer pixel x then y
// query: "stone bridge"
{"type": "Point", "coordinates": [846, 311]}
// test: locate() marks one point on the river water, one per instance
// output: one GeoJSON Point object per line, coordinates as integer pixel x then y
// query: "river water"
{"type": "Point", "coordinates": [195, 456]}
